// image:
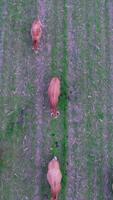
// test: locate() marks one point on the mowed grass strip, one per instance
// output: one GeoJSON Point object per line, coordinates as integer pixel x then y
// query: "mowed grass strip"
{"type": "Point", "coordinates": [94, 128]}
{"type": "Point", "coordinates": [84, 63]}
{"type": "Point", "coordinates": [100, 102]}
{"type": "Point", "coordinates": [59, 126]}
{"type": "Point", "coordinates": [98, 117]}
{"type": "Point", "coordinates": [77, 97]}
{"type": "Point", "coordinates": [16, 161]}
{"type": "Point", "coordinates": [102, 115]}
{"type": "Point", "coordinates": [108, 19]}
{"type": "Point", "coordinates": [1, 11]}
{"type": "Point", "coordinates": [17, 106]}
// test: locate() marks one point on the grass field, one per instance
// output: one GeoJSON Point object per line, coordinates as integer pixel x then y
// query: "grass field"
{"type": "Point", "coordinates": [76, 46]}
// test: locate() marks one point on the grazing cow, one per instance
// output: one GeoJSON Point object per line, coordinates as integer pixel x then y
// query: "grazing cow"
{"type": "Point", "coordinates": [54, 177]}
{"type": "Point", "coordinates": [36, 32]}
{"type": "Point", "coordinates": [54, 93]}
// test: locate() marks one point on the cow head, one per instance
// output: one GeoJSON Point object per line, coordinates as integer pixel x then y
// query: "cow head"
{"type": "Point", "coordinates": [55, 113]}
{"type": "Point", "coordinates": [35, 45]}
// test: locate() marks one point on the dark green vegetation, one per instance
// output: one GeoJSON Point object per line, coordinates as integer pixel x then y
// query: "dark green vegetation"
{"type": "Point", "coordinates": [76, 46]}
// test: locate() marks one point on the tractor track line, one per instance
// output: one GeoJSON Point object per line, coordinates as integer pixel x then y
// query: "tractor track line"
{"type": "Point", "coordinates": [2, 38]}
{"type": "Point", "coordinates": [108, 141]}
{"type": "Point", "coordinates": [42, 60]}
{"type": "Point", "coordinates": [77, 182]}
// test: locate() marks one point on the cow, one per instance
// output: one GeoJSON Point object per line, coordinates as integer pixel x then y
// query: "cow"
{"type": "Point", "coordinates": [36, 32]}
{"type": "Point", "coordinates": [54, 93]}
{"type": "Point", "coordinates": [54, 178]}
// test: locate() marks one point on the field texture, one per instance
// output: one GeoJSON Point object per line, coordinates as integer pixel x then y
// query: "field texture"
{"type": "Point", "coordinates": [76, 46]}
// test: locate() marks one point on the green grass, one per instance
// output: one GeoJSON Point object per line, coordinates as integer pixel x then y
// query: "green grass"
{"type": "Point", "coordinates": [96, 71]}
{"type": "Point", "coordinates": [90, 65]}
{"type": "Point", "coordinates": [17, 113]}
{"type": "Point", "coordinates": [17, 124]}
{"type": "Point", "coordinates": [108, 86]}
{"type": "Point", "coordinates": [63, 101]}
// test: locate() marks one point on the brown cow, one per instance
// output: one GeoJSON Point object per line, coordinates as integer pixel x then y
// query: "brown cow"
{"type": "Point", "coordinates": [36, 32]}
{"type": "Point", "coordinates": [54, 93]}
{"type": "Point", "coordinates": [54, 178]}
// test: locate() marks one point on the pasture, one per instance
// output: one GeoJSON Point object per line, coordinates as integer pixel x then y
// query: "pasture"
{"type": "Point", "coordinates": [76, 46]}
